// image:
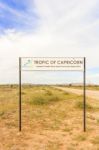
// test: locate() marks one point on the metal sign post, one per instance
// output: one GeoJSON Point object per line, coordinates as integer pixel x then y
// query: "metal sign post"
{"type": "Point", "coordinates": [20, 122]}
{"type": "Point", "coordinates": [52, 64]}
{"type": "Point", "coordinates": [84, 97]}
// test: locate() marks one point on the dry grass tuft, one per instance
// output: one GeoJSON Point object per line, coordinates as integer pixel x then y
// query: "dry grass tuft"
{"type": "Point", "coordinates": [51, 120]}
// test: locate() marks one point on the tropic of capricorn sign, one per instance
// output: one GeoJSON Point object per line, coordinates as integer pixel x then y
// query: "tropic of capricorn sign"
{"type": "Point", "coordinates": [53, 64]}
{"type": "Point", "coordinates": [69, 64]}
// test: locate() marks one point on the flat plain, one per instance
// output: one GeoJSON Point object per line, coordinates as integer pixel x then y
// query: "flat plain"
{"type": "Point", "coordinates": [52, 119]}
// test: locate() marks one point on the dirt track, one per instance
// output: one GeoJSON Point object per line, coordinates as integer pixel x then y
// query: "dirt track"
{"type": "Point", "coordinates": [89, 93]}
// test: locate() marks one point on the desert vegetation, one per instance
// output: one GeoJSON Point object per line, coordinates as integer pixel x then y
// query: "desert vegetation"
{"type": "Point", "coordinates": [88, 87]}
{"type": "Point", "coordinates": [51, 120]}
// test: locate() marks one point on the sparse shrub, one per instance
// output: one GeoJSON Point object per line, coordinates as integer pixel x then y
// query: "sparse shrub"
{"type": "Point", "coordinates": [23, 93]}
{"type": "Point", "coordinates": [44, 100]}
{"type": "Point", "coordinates": [67, 129]}
{"type": "Point", "coordinates": [98, 121]}
{"type": "Point", "coordinates": [54, 99]}
{"type": "Point", "coordinates": [40, 101]}
{"type": "Point", "coordinates": [81, 138]}
{"type": "Point", "coordinates": [95, 140]}
{"type": "Point", "coordinates": [2, 113]}
{"type": "Point", "coordinates": [65, 93]}
{"type": "Point", "coordinates": [49, 92]}
{"type": "Point", "coordinates": [80, 105]}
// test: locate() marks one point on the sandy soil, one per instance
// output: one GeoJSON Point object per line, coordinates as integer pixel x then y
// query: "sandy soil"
{"type": "Point", "coordinates": [52, 126]}
{"type": "Point", "coordinates": [89, 93]}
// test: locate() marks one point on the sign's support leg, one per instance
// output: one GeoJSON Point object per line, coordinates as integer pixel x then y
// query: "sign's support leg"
{"type": "Point", "coordinates": [84, 97]}
{"type": "Point", "coordinates": [20, 123]}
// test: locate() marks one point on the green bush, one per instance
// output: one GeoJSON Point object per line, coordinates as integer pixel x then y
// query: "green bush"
{"type": "Point", "coordinates": [40, 101]}
{"type": "Point", "coordinates": [49, 93]}
{"type": "Point", "coordinates": [44, 100]}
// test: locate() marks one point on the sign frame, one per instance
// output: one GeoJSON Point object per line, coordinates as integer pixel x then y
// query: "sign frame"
{"type": "Point", "coordinates": [84, 87]}
{"type": "Point", "coordinates": [52, 67]}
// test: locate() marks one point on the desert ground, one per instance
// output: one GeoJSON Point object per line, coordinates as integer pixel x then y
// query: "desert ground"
{"type": "Point", "coordinates": [52, 119]}
{"type": "Point", "coordinates": [89, 93]}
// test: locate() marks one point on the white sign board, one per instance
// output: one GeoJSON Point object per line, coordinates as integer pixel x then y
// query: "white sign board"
{"type": "Point", "coordinates": [54, 64]}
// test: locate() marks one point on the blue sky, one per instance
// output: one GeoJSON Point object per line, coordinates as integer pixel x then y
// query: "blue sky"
{"type": "Point", "coordinates": [49, 28]}
{"type": "Point", "coordinates": [16, 15]}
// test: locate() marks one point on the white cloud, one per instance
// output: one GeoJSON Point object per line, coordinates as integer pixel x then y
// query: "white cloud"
{"type": "Point", "coordinates": [66, 28]}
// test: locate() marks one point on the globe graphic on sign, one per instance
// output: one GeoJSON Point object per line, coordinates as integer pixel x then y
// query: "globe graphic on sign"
{"type": "Point", "coordinates": [28, 63]}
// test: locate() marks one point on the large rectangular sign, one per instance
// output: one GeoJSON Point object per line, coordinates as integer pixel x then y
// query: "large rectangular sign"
{"type": "Point", "coordinates": [54, 64]}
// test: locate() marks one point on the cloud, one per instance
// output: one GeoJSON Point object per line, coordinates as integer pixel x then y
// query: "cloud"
{"type": "Point", "coordinates": [62, 28]}
{"type": "Point", "coordinates": [17, 15]}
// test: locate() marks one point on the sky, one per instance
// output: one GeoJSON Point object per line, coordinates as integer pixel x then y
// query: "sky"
{"type": "Point", "coordinates": [49, 28]}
